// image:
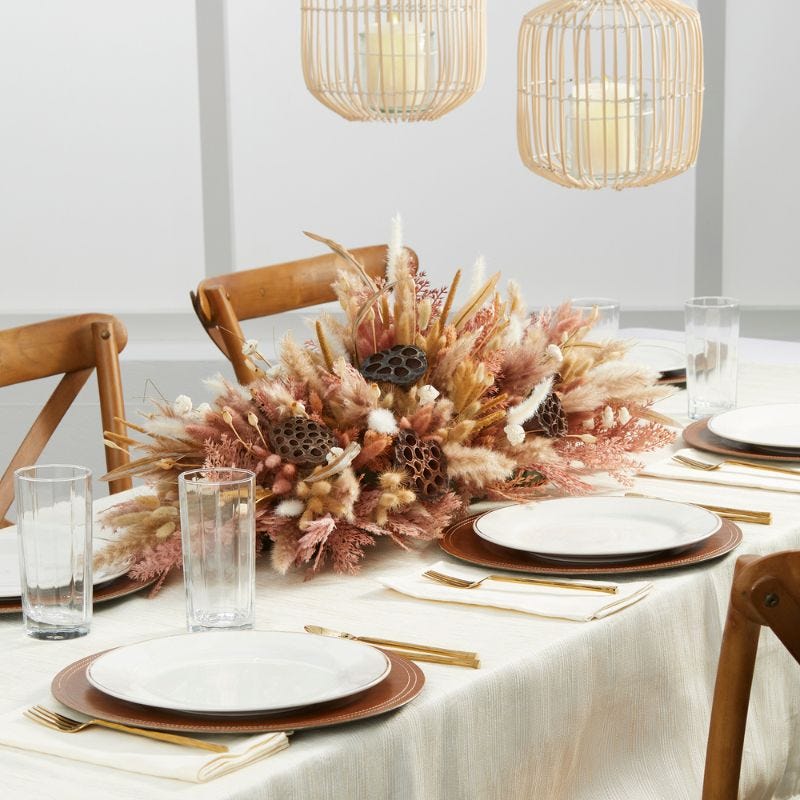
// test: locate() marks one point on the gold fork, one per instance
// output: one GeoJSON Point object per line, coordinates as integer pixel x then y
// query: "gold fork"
{"type": "Point", "coordinates": [460, 583]}
{"type": "Point", "coordinates": [58, 722]}
{"type": "Point", "coordinates": [706, 467]}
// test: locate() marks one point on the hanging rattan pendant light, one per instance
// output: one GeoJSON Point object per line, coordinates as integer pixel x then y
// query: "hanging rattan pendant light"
{"type": "Point", "coordinates": [393, 60]}
{"type": "Point", "coordinates": [610, 91]}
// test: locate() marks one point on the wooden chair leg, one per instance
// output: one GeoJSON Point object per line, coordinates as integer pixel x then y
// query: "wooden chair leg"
{"type": "Point", "coordinates": [729, 713]}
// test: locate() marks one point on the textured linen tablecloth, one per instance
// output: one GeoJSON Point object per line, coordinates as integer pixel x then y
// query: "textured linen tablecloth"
{"type": "Point", "coordinates": [609, 709]}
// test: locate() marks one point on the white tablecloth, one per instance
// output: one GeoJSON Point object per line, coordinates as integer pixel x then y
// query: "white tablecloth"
{"type": "Point", "coordinates": [615, 708]}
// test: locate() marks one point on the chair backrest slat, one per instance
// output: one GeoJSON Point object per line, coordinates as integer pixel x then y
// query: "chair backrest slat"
{"type": "Point", "coordinates": [43, 428]}
{"type": "Point", "coordinates": [74, 346]}
{"type": "Point", "coordinates": [222, 302]}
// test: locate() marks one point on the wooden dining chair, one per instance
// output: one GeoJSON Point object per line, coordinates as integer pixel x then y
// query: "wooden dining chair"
{"type": "Point", "coordinates": [222, 302]}
{"type": "Point", "coordinates": [74, 346]}
{"type": "Point", "coordinates": [765, 592]}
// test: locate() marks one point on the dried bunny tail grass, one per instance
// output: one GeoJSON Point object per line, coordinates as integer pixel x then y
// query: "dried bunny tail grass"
{"type": "Point", "coordinates": [375, 445]}
{"type": "Point", "coordinates": [164, 426]}
{"type": "Point", "coordinates": [478, 277]}
{"type": "Point", "coordinates": [337, 335]}
{"type": "Point", "coordinates": [348, 396]}
{"type": "Point", "coordinates": [516, 302]}
{"type": "Point", "coordinates": [300, 364]}
{"type": "Point", "coordinates": [449, 357]}
{"type": "Point", "coordinates": [405, 303]}
{"type": "Point", "coordinates": [613, 382]}
{"type": "Point", "coordinates": [477, 466]}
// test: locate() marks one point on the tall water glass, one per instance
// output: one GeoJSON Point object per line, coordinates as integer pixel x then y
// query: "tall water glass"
{"type": "Point", "coordinates": [54, 529]}
{"type": "Point", "coordinates": [712, 341]}
{"type": "Point", "coordinates": [218, 534]}
{"type": "Point", "coordinates": [606, 313]}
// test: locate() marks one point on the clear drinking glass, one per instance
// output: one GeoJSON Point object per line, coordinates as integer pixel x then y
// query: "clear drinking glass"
{"type": "Point", "coordinates": [607, 310]}
{"type": "Point", "coordinates": [219, 547]}
{"type": "Point", "coordinates": [712, 339]}
{"type": "Point", "coordinates": [54, 529]}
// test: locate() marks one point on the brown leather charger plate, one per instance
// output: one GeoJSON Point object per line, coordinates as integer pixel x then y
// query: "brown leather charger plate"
{"type": "Point", "coordinates": [698, 435]}
{"type": "Point", "coordinates": [461, 541]}
{"type": "Point", "coordinates": [403, 683]}
{"type": "Point", "coordinates": [120, 587]}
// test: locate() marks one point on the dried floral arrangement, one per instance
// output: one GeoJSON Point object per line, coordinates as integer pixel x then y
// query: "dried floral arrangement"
{"type": "Point", "coordinates": [394, 419]}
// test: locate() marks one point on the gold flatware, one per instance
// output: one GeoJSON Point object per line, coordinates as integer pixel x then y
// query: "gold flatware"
{"type": "Point", "coordinates": [735, 514]}
{"type": "Point", "coordinates": [706, 467]}
{"type": "Point", "coordinates": [415, 652]}
{"type": "Point", "coordinates": [460, 583]}
{"type": "Point", "coordinates": [58, 722]}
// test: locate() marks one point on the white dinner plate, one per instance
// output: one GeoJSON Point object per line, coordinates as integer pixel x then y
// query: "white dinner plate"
{"type": "Point", "coordinates": [668, 358]}
{"type": "Point", "coordinates": [597, 529]}
{"type": "Point", "coordinates": [238, 672]}
{"type": "Point", "coordinates": [775, 425]}
{"type": "Point", "coordinates": [9, 566]}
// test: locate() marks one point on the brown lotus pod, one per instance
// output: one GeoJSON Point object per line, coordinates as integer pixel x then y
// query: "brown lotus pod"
{"type": "Point", "coordinates": [550, 419]}
{"type": "Point", "coordinates": [402, 365]}
{"type": "Point", "coordinates": [300, 440]}
{"type": "Point", "coordinates": [424, 461]}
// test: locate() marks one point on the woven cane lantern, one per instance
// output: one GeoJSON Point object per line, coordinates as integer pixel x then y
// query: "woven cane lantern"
{"type": "Point", "coordinates": [610, 91]}
{"type": "Point", "coordinates": [393, 60]}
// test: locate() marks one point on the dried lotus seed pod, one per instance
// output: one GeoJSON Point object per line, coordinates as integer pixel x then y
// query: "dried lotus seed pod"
{"type": "Point", "coordinates": [403, 365]}
{"type": "Point", "coordinates": [425, 463]}
{"type": "Point", "coordinates": [300, 440]}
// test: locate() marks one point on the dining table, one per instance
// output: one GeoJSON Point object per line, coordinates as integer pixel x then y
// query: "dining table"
{"type": "Point", "coordinates": [615, 708]}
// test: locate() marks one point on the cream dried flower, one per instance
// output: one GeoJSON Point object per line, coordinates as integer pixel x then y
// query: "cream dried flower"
{"type": "Point", "coordinates": [608, 417]}
{"type": "Point", "coordinates": [333, 454]}
{"type": "Point", "coordinates": [515, 433]}
{"type": "Point", "coordinates": [382, 420]}
{"type": "Point", "coordinates": [427, 394]}
{"type": "Point", "coordinates": [290, 508]}
{"type": "Point", "coordinates": [182, 405]}
{"type": "Point", "coordinates": [624, 416]}
{"type": "Point", "coordinates": [250, 347]}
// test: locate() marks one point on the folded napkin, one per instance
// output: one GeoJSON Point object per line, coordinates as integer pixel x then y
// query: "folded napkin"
{"type": "Point", "coordinates": [544, 601]}
{"type": "Point", "coordinates": [728, 475]}
{"type": "Point", "coordinates": [124, 751]}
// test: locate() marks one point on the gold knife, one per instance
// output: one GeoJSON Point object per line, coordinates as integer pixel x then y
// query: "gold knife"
{"type": "Point", "coordinates": [737, 514]}
{"type": "Point", "coordinates": [416, 652]}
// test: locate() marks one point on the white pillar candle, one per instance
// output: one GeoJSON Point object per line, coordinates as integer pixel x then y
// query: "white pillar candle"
{"type": "Point", "coordinates": [604, 116]}
{"type": "Point", "coordinates": [396, 63]}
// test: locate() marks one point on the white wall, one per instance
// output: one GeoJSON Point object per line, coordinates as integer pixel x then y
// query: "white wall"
{"type": "Point", "coordinates": [100, 204]}
{"type": "Point", "coordinates": [100, 184]}
{"type": "Point", "coordinates": [458, 182]}
{"type": "Point", "coordinates": [762, 171]}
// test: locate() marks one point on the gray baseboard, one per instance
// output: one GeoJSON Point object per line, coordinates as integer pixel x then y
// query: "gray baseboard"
{"type": "Point", "coordinates": [758, 322]}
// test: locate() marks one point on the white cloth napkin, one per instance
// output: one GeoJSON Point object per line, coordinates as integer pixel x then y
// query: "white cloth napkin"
{"type": "Point", "coordinates": [124, 751]}
{"type": "Point", "coordinates": [544, 601]}
{"type": "Point", "coordinates": [728, 475]}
